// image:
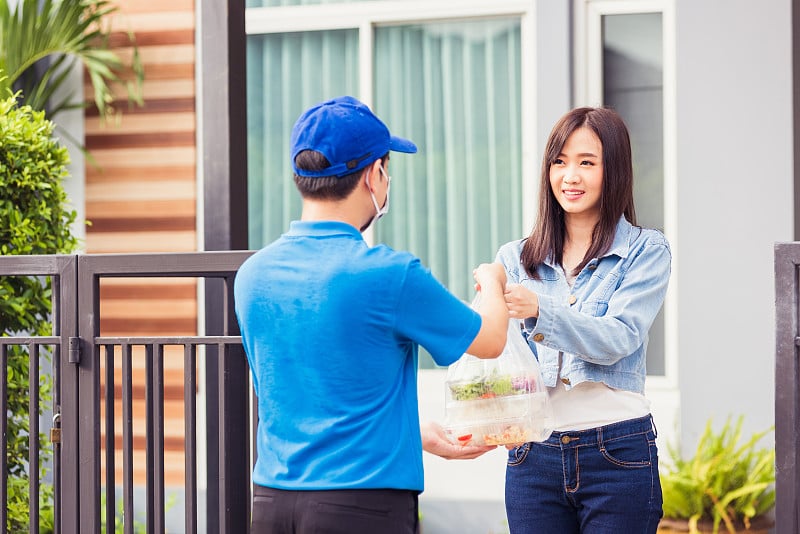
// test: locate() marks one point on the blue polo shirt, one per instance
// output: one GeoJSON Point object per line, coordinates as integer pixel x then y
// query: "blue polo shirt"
{"type": "Point", "coordinates": [331, 329]}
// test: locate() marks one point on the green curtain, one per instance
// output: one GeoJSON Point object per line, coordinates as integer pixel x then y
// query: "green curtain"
{"type": "Point", "coordinates": [287, 73]}
{"type": "Point", "coordinates": [454, 89]}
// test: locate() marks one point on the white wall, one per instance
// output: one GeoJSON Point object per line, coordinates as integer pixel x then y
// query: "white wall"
{"type": "Point", "coordinates": [735, 199]}
{"type": "Point", "coordinates": [71, 123]}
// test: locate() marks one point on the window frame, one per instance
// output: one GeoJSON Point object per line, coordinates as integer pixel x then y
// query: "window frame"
{"type": "Point", "coordinates": [588, 89]}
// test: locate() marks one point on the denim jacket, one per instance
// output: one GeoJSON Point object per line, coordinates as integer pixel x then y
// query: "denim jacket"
{"type": "Point", "coordinates": [600, 324]}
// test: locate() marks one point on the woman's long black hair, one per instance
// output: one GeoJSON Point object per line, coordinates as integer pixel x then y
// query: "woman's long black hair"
{"type": "Point", "coordinates": [616, 197]}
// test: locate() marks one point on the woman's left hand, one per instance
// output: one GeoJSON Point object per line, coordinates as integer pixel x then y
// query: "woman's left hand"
{"type": "Point", "coordinates": [522, 302]}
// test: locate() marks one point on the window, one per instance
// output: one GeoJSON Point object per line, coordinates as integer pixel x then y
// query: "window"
{"type": "Point", "coordinates": [453, 88]}
{"type": "Point", "coordinates": [627, 69]}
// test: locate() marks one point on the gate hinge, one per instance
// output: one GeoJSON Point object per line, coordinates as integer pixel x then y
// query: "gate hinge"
{"type": "Point", "coordinates": [74, 350]}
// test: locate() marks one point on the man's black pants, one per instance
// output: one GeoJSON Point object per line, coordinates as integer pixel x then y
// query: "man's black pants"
{"type": "Point", "coordinates": [334, 512]}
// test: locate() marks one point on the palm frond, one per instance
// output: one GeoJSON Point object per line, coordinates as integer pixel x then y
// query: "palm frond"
{"type": "Point", "coordinates": [57, 29]}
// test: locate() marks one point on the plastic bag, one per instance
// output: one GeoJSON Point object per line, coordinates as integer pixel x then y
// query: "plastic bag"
{"type": "Point", "coordinates": [498, 401]}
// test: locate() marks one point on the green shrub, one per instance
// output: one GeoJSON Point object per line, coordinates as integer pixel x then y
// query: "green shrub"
{"type": "Point", "coordinates": [725, 482]}
{"type": "Point", "coordinates": [34, 219]}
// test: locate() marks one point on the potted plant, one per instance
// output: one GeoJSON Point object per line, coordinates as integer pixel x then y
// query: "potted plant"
{"type": "Point", "coordinates": [725, 487]}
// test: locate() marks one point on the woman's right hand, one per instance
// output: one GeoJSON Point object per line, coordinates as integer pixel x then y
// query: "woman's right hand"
{"type": "Point", "coordinates": [521, 302]}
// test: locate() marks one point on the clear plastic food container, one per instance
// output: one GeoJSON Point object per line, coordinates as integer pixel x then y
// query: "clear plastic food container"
{"type": "Point", "coordinates": [498, 401]}
{"type": "Point", "coordinates": [497, 410]}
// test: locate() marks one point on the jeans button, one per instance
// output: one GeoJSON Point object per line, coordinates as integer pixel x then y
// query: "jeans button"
{"type": "Point", "coordinates": [565, 439]}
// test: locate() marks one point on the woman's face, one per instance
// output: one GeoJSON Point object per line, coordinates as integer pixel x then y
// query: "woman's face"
{"type": "Point", "coordinates": [576, 175]}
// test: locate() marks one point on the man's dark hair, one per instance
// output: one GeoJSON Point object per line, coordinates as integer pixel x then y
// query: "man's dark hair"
{"type": "Point", "coordinates": [325, 187]}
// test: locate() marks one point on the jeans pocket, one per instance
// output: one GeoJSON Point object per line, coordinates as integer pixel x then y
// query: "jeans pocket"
{"type": "Point", "coordinates": [517, 455]}
{"type": "Point", "coordinates": [631, 451]}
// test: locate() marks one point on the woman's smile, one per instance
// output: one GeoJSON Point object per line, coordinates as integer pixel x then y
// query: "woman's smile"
{"type": "Point", "coordinates": [576, 175]}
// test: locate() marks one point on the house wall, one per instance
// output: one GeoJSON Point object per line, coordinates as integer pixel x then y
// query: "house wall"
{"type": "Point", "coordinates": [735, 200]}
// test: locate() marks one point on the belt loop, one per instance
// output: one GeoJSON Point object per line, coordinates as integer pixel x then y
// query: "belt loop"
{"type": "Point", "coordinates": [653, 422]}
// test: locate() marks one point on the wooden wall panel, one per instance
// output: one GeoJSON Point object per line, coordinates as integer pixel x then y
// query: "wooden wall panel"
{"type": "Point", "coordinates": [141, 196]}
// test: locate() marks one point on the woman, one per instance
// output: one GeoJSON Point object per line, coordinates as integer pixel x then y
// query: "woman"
{"type": "Point", "coordinates": [588, 283]}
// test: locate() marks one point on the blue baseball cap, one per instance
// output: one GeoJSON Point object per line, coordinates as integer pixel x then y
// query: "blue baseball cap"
{"type": "Point", "coordinates": [347, 133]}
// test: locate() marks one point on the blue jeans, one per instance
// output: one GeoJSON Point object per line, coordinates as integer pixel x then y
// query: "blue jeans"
{"type": "Point", "coordinates": [598, 481]}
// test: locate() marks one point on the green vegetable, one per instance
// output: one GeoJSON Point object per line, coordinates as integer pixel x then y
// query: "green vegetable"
{"type": "Point", "coordinates": [488, 387]}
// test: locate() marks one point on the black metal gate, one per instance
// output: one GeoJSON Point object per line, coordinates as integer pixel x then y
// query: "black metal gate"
{"type": "Point", "coordinates": [81, 355]}
{"type": "Point", "coordinates": [787, 387]}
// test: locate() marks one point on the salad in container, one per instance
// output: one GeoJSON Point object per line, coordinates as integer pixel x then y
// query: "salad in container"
{"type": "Point", "coordinates": [497, 409]}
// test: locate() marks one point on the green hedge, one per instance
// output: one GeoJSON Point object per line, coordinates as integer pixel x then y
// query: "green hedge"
{"type": "Point", "coordinates": [34, 219]}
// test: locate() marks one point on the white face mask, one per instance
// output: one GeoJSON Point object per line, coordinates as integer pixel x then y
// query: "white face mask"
{"type": "Point", "coordinates": [380, 212]}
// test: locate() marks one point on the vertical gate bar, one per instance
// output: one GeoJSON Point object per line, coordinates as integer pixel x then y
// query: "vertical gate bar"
{"type": "Point", "coordinates": [89, 429]}
{"type": "Point", "coordinates": [56, 445]}
{"type": "Point", "coordinates": [55, 364]}
{"type": "Point", "coordinates": [787, 390]}
{"type": "Point", "coordinates": [127, 438]}
{"type": "Point", "coordinates": [239, 372]}
{"type": "Point", "coordinates": [224, 494]}
{"type": "Point", "coordinates": [88, 398]}
{"type": "Point", "coordinates": [33, 437]}
{"type": "Point", "coordinates": [3, 434]}
{"type": "Point", "coordinates": [213, 386]}
{"type": "Point", "coordinates": [68, 508]}
{"type": "Point", "coordinates": [234, 422]}
{"type": "Point", "coordinates": [190, 439]}
{"type": "Point", "coordinates": [158, 438]}
{"type": "Point", "coordinates": [111, 492]}
{"type": "Point", "coordinates": [148, 395]}
{"type": "Point", "coordinates": [233, 443]}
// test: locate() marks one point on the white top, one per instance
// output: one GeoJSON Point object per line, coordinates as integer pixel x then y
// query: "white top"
{"type": "Point", "coordinates": [593, 404]}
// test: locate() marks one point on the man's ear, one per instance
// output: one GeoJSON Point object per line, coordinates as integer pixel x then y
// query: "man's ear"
{"type": "Point", "coordinates": [371, 171]}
